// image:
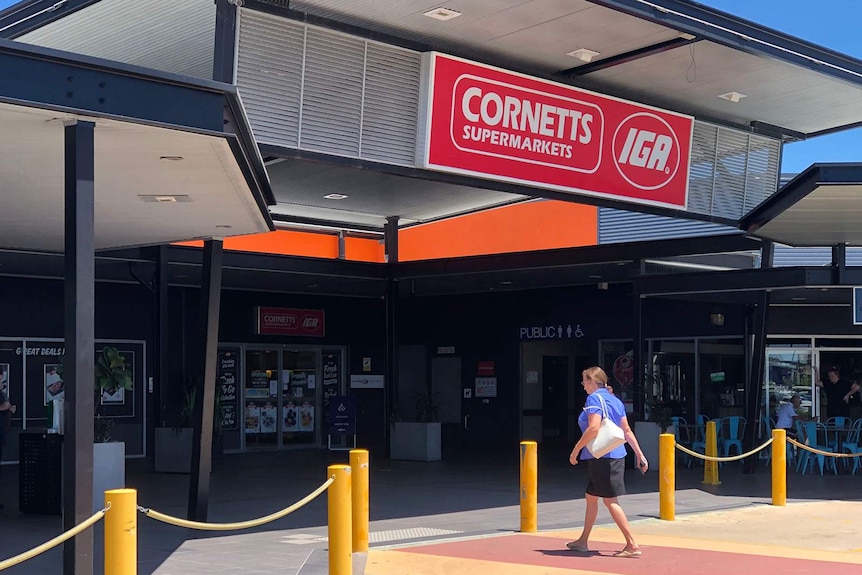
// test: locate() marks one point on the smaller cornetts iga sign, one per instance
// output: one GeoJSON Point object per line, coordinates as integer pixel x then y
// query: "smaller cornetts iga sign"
{"type": "Point", "coordinates": [492, 123]}
{"type": "Point", "coordinates": [291, 321]}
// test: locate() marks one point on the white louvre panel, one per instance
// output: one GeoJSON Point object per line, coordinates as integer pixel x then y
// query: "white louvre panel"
{"type": "Point", "coordinates": [391, 104]}
{"type": "Point", "coordinates": [332, 93]}
{"type": "Point", "coordinates": [731, 161]}
{"type": "Point", "coordinates": [177, 36]}
{"type": "Point", "coordinates": [269, 76]}
{"type": "Point", "coordinates": [763, 170]}
{"type": "Point", "coordinates": [701, 176]}
{"type": "Point", "coordinates": [623, 226]}
{"type": "Point", "coordinates": [786, 256]}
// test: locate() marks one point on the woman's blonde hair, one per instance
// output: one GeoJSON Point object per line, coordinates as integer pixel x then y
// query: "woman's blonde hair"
{"type": "Point", "coordinates": [596, 374]}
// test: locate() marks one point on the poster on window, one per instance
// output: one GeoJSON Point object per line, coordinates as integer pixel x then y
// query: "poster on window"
{"type": "Point", "coordinates": [252, 418]}
{"type": "Point", "coordinates": [291, 416]}
{"type": "Point", "coordinates": [226, 377]}
{"type": "Point", "coordinates": [306, 416]}
{"type": "Point", "coordinates": [268, 414]}
{"type": "Point", "coordinates": [4, 381]}
{"type": "Point", "coordinates": [54, 388]}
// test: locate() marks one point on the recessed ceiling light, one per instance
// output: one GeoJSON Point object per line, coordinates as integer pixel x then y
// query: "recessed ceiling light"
{"type": "Point", "coordinates": [171, 158]}
{"type": "Point", "coordinates": [164, 198]}
{"type": "Point", "coordinates": [335, 196]}
{"type": "Point", "coordinates": [505, 283]}
{"type": "Point", "coordinates": [595, 277]}
{"type": "Point", "coordinates": [584, 54]}
{"type": "Point", "coordinates": [312, 286]}
{"type": "Point", "coordinates": [732, 97]}
{"type": "Point", "coordinates": [443, 14]}
{"type": "Point", "coordinates": [224, 226]}
{"type": "Point", "coordinates": [798, 298]}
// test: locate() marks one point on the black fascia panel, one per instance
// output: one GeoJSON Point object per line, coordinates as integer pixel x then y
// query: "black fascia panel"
{"type": "Point", "coordinates": [334, 224]}
{"type": "Point", "coordinates": [44, 78]}
{"type": "Point", "coordinates": [483, 183]}
{"type": "Point", "coordinates": [30, 15]}
{"type": "Point", "coordinates": [181, 255]}
{"type": "Point", "coordinates": [806, 182]}
{"type": "Point", "coordinates": [621, 252]}
{"type": "Point", "coordinates": [732, 281]}
{"type": "Point", "coordinates": [740, 34]}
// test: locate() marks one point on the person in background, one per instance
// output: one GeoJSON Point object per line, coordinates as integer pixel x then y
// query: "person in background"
{"type": "Point", "coordinates": [606, 473]}
{"type": "Point", "coordinates": [788, 415]}
{"type": "Point", "coordinates": [6, 411]}
{"type": "Point", "coordinates": [838, 392]}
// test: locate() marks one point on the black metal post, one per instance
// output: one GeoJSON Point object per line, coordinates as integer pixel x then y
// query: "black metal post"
{"type": "Point", "coordinates": [754, 396]}
{"type": "Point", "coordinates": [225, 41]}
{"type": "Point", "coordinates": [202, 440]}
{"type": "Point", "coordinates": [161, 343]}
{"type": "Point", "coordinates": [839, 263]}
{"type": "Point", "coordinates": [638, 363]}
{"type": "Point", "coordinates": [390, 396]}
{"type": "Point", "coordinates": [79, 331]}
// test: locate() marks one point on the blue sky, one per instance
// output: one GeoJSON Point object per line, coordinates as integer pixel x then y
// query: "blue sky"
{"type": "Point", "coordinates": [831, 23]}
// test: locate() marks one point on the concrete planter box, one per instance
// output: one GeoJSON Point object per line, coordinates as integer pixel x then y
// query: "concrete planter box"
{"type": "Point", "coordinates": [415, 441]}
{"type": "Point", "coordinates": [173, 450]}
{"type": "Point", "coordinates": [109, 470]}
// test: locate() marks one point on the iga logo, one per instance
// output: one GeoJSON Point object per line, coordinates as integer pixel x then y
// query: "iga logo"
{"type": "Point", "coordinates": [646, 151]}
{"type": "Point", "coordinates": [310, 322]}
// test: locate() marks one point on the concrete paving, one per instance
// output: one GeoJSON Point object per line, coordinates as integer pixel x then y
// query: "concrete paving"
{"type": "Point", "coordinates": [464, 496]}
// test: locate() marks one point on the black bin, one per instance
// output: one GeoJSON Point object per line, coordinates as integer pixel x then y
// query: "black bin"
{"type": "Point", "coordinates": [39, 473]}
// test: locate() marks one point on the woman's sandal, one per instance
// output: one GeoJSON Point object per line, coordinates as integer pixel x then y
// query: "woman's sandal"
{"type": "Point", "coordinates": [627, 553]}
{"type": "Point", "coordinates": [577, 546]}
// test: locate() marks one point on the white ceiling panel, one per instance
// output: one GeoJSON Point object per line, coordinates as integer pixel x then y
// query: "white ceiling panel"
{"type": "Point", "coordinates": [299, 187]}
{"type": "Point", "coordinates": [827, 216]}
{"type": "Point", "coordinates": [691, 78]}
{"type": "Point", "coordinates": [128, 164]}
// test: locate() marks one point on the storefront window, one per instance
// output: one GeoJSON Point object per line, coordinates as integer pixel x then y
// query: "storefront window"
{"type": "Point", "coordinates": [722, 377]}
{"type": "Point", "coordinates": [299, 391]}
{"type": "Point", "coordinates": [261, 398]}
{"type": "Point", "coordinates": [673, 363]}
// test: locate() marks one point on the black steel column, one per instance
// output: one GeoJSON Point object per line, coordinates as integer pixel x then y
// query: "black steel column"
{"type": "Point", "coordinates": [390, 395]}
{"type": "Point", "coordinates": [638, 363]}
{"type": "Point", "coordinates": [225, 40]}
{"type": "Point", "coordinates": [79, 331]}
{"type": "Point", "coordinates": [202, 440]}
{"type": "Point", "coordinates": [754, 397]}
{"type": "Point", "coordinates": [839, 263]}
{"type": "Point", "coordinates": [161, 343]}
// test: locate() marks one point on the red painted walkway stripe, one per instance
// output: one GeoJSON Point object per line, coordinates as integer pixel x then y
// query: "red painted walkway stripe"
{"type": "Point", "coordinates": [551, 552]}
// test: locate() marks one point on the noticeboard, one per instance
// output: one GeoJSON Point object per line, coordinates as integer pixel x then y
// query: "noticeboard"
{"type": "Point", "coordinates": [342, 415]}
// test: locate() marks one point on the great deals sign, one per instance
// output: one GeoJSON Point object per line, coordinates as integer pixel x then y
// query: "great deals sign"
{"type": "Point", "coordinates": [492, 123]}
{"type": "Point", "coordinates": [291, 321]}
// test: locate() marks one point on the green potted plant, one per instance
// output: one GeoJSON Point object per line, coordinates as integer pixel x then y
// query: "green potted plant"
{"type": "Point", "coordinates": [109, 457]}
{"type": "Point", "coordinates": [417, 439]}
{"type": "Point", "coordinates": [173, 449]}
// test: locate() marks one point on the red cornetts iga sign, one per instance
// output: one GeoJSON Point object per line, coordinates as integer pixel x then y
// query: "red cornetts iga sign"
{"type": "Point", "coordinates": [290, 321]}
{"type": "Point", "coordinates": [488, 122]}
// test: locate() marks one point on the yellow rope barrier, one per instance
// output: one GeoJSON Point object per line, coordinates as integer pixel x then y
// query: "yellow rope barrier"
{"type": "Point", "coordinates": [239, 525]}
{"type": "Point", "coordinates": [819, 452]}
{"type": "Point", "coordinates": [12, 561]}
{"type": "Point", "coordinates": [722, 459]}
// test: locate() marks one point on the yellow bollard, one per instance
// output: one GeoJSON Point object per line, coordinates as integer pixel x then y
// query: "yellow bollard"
{"type": "Point", "coordinates": [779, 467]}
{"type": "Point", "coordinates": [529, 487]}
{"type": "Point", "coordinates": [667, 475]}
{"type": "Point", "coordinates": [121, 532]}
{"type": "Point", "coordinates": [359, 473]}
{"type": "Point", "coordinates": [340, 540]}
{"type": "Point", "coordinates": [340, 522]}
{"type": "Point", "coordinates": [710, 468]}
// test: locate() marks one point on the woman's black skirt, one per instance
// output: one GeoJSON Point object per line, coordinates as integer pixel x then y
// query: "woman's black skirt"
{"type": "Point", "coordinates": [606, 477]}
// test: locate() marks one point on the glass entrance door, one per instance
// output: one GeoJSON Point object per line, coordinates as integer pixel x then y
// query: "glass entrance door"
{"type": "Point", "coordinates": [299, 394]}
{"type": "Point", "coordinates": [261, 398]}
{"type": "Point", "coordinates": [788, 371]}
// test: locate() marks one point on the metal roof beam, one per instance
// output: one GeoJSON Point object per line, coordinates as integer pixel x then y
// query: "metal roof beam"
{"type": "Point", "coordinates": [626, 57]}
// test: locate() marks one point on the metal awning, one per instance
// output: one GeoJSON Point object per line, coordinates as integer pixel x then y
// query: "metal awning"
{"type": "Point", "coordinates": [822, 206]}
{"type": "Point", "coordinates": [174, 157]}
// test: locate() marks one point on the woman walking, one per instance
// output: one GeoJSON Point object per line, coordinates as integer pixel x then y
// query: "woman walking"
{"type": "Point", "coordinates": [606, 473]}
